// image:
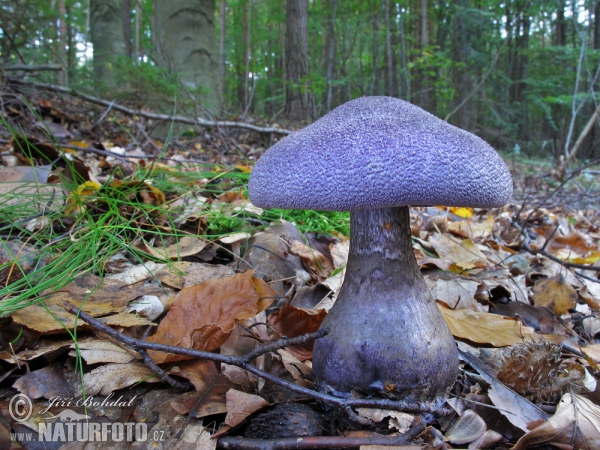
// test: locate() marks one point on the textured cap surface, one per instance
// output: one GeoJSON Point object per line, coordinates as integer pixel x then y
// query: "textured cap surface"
{"type": "Point", "coordinates": [376, 152]}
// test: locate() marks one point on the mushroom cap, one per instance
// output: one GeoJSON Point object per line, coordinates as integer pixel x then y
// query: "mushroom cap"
{"type": "Point", "coordinates": [379, 152]}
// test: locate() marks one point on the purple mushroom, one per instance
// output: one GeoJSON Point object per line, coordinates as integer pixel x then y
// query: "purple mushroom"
{"type": "Point", "coordinates": [375, 157]}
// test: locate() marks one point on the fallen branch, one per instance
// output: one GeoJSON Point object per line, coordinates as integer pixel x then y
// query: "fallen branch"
{"type": "Point", "coordinates": [26, 68]}
{"type": "Point", "coordinates": [240, 361]}
{"type": "Point", "coordinates": [148, 115]}
{"type": "Point", "coordinates": [300, 443]}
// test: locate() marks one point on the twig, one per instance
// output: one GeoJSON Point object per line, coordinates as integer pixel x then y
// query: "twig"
{"type": "Point", "coordinates": [136, 344]}
{"type": "Point", "coordinates": [26, 68]}
{"type": "Point", "coordinates": [300, 443]}
{"type": "Point", "coordinates": [154, 116]}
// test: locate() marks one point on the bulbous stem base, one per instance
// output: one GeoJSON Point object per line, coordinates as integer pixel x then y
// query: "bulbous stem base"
{"type": "Point", "coordinates": [387, 335]}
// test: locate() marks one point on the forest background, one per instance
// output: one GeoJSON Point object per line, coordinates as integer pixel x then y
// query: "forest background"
{"type": "Point", "coordinates": [522, 74]}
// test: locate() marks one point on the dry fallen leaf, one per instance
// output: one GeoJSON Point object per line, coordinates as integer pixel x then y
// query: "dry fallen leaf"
{"type": "Point", "coordinates": [455, 291]}
{"type": "Point", "coordinates": [398, 420]}
{"type": "Point", "coordinates": [321, 266]}
{"type": "Point", "coordinates": [111, 377]}
{"type": "Point", "coordinates": [290, 321]}
{"type": "Point", "coordinates": [240, 405]}
{"type": "Point", "coordinates": [210, 388]}
{"type": "Point", "coordinates": [576, 424]}
{"type": "Point", "coordinates": [186, 246]}
{"type": "Point", "coordinates": [555, 294]}
{"type": "Point", "coordinates": [99, 298]}
{"type": "Point", "coordinates": [98, 351]}
{"type": "Point", "coordinates": [469, 427]}
{"type": "Point", "coordinates": [464, 253]}
{"type": "Point", "coordinates": [202, 317]}
{"type": "Point", "coordinates": [486, 328]}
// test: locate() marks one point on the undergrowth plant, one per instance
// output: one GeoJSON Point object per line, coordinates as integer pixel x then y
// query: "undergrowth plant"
{"type": "Point", "coordinates": [53, 233]}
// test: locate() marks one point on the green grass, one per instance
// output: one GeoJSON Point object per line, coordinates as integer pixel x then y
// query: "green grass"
{"type": "Point", "coordinates": [98, 223]}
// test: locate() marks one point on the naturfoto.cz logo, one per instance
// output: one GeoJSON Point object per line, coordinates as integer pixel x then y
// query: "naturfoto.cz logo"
{"type": "Point", "coordinates": [71, 426]}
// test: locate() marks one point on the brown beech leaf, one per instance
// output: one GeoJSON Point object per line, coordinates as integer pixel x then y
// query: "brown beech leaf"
{"type": "Point", "coordinates": [111, 377]}
{"type": "Point", "coordinates": [571, 246]}
{"type": "Point", "coordinates": [455, 291]}
{"type": "Point", "coordinates": [575, 424]}
{"type": "Point", "coordinates": [464, 253]}
{"type": "Point", "coordinates": [290, 321]}
{"type": "Point", "coordinates": [555, 294]}
{"type": "Point", "coordinates": [313, 258]}
{"type": "Point", "coordinates": [469, 427]}
{"type": "Point", "coordinates": [240, 405]}
{"type": "Point", "coordinates": [186, 246]}
{"type": "Point", "coordinates": [211, 386]}
{"type": "Point", "coordinates": [472, 229]}
{"type": "Point", "coordinates": [47, 382]}
{"type": "Point", "coordinates": [486, 328]}
{"type": "Point", "coordinates": [203, 316]}
{"type": "Point", "coordinates": [99, 298]}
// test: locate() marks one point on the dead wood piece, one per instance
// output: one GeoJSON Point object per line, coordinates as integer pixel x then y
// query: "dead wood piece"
{"type": "Point", "coordinates": [148, 115]}
{"type": "Point", "coordinates": [321, 442]}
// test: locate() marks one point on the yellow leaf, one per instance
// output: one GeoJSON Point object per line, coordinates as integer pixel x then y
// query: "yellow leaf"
{"type": "Point", "coordinates": [486, 328]}
{"type": "Point", "coordinates": [76, 199]}
{"type": "Point", "coordinates": [461, 211]}
{"type": "Point", "coordinates": [555, 294]}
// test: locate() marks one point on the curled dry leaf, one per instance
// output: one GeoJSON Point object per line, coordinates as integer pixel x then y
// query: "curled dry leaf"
{"type": "Point", "coordinates": [186, 246]}
{"type": "Point", "coordinates": [203, 316]}
{"type": "Point", "coordinates": [320, 265]}
{"type": "Point", "coordinates": [555, 294]}
{"type": "Point", "coordinates": [290, 322]}
{"type": "Point", "coordinates": [399, 420]}
{"type": "Point", "coordinates": [469, 427]}
{"type": "Point", "coordinates": [576, 424]}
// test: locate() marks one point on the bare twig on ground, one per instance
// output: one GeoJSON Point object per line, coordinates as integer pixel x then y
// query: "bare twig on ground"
{"type": "Point", "coordinates": [238, 443]}
{"type": "Point", "coordinates": [136, 344]}
{"type": "Point", "coordinates": [154, 116]}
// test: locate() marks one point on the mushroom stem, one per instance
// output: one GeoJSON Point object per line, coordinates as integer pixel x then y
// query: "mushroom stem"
{"type": "Point", "coordinates": [386, 332]}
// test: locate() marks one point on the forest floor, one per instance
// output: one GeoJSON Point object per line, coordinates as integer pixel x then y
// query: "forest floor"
{"type": "Point", "coordinates": [114, 244]}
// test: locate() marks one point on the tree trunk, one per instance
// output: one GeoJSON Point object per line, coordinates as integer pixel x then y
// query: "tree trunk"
{"type": "Point", "coordinates": [126, 11]}
{"type": "Point", "coordinates": [404, 80]}
{"type": "Point", "coordinates": [391, 73]}
{"type": "Point", "coordinates": [63, 76]}
{"type": "Point", "coordinates": [330, 55]}
{"type": "Point", "coordinates": [462, 78]}
{"type": "Point", "coordinates": [108, 40]}
{"type": "Point", "coordinates": [222, 48]}
{"type": "Point", "coordinates": [243, 73]}
{"type": "Point", "coordinates": [186, 45]}
{"type": "Point", "coordinates": [299, 103]}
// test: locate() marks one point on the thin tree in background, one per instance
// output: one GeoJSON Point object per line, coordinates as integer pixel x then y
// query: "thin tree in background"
{"type": "Point", "coordinates": [222, 48]}
{"type": "Point", "coordinates": [299, 102]}
{"type": "Point", "coordinates": [108, 39]}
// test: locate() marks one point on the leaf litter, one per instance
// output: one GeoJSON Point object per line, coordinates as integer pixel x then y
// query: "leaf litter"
{"type": "Point", "coordinates": [223, 276]}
